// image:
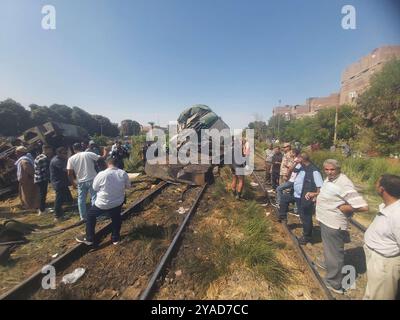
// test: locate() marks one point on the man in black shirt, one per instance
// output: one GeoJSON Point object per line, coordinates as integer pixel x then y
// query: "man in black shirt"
{"type": "Point", "coordinates": [119, 153]}
{"type": "Point", "coordinates": [276, 167]}
{"type": "Point", "coordinates": [59, 180]}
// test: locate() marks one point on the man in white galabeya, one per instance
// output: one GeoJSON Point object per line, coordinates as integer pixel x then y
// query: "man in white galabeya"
{"type": "Point", "coordinates": [82, 165]}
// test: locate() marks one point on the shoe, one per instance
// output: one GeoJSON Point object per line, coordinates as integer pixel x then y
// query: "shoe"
{"type": "Point", "coordinates": [338, 291]}
{"type": "Point", "coordinates": [303, 241]}
{"type": "Point", "coordinates": [320, 264]}
{"type": "Point", "coordinates": [271, 191]}
{"type": "Point", "coordinates": [49, 210]}
{"type": "Point", "coordinates": [59, 219]}
{"type": "Point", "coordinates": [82, 239]}
{"type": "Point", "coordinates": [294, 214]}
{"type": "Point", "coordinates": [40, 212]}
{"type": "Point", "coordinates": [275, 205]}
{"type": "Point", "coordinates": [115, 243]}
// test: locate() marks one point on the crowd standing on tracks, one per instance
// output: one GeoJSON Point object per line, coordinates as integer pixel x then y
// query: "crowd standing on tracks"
{"type": "Point", "coordinates": [86, 171]}
{"type": "Point", "coordinates": [334, 200]}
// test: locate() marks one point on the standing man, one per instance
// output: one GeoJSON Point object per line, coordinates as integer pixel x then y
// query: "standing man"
{"type": "Point", "coordinates": [269, 153]}
{"type": "Point", "coordinates": [28, 191]}
{"type": "Point", "coordinates": [42, 175]}
{"type": "Point", "coordinates": [336, 202]}
{"type": "Point", "coordinates": [92, 147]}
{"type": "Point", "coordinates": [382, 243]}
{"type": "Point", "coordinates": [110, 186]}
{"type": "Point", "coordinates": [276, 167]}
{"type": "Point", "coordinates": [82, 165]}
{"type": "Point", "coordinates": [59, 181]}
{"type": "Point", "coordinates": [293, 171]}
{"type": "Point", "coordinates": [237, 168]}
{"type": "Point", "coordinates": [119, 153]}
{"type": "Point", "coordinates": [287, 163]}
{"type": "Point", "coordinates": [306, 187]}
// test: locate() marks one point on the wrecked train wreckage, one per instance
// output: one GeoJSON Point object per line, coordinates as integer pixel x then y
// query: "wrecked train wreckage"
{"type": "Point", "coordinates": [55, 134]}
{"type": "Point", "coordinates": [197, 117]}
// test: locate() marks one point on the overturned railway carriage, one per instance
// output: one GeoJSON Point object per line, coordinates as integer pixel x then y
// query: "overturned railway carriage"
{"type": "Point", "coordinates": [197, 117]}
{"type": "Point", "coordinates": [55, 134]}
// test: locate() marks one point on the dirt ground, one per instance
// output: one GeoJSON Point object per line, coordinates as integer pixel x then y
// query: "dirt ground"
{"type": "Point", "coordinates": [43, 246]}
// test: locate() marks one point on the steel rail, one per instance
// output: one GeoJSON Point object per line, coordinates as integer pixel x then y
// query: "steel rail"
{"type": "Point", "coordinates": [27, 287]}
{"type": "Point", "coordinates": [300, 250]}
{"type": "Point", "coordinates": [152, 284]}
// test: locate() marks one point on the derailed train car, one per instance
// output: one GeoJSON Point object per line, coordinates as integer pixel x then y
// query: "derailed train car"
{"type": "Point", "coordinates": [55, 134]}
{"type": "Point", "coordinates": [197, 117]}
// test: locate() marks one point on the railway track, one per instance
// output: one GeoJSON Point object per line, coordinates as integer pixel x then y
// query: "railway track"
{"type": "Point", "coordinates": [81, 255]}
{"type": "Point", "coordinates": [313, 254]}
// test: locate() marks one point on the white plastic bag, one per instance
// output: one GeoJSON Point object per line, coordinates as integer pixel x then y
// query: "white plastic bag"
{"type": "Point", "coordinates": [73, 276]}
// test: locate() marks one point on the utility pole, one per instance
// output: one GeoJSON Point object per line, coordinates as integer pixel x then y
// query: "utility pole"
{"type": "Point", "coordinates": [279, 119]}
{"type": "Point", "coordinates": [336, 123]}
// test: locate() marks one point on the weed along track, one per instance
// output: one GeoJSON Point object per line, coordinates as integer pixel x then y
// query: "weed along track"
{"type": "Point", "coordinates": [313, 254]}
{"type": "Point", "coordinates": [232, 251]}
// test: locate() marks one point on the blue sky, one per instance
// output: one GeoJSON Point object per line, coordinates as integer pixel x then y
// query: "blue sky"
{"type": "Point", "coordinates": [147, 60]}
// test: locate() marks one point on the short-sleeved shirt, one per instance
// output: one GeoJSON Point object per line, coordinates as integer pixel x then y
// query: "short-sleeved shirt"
{"type": "Point", "coordinates": [334, 194]}
{"type": "Point", "coordinates": [383, 235]}
{"type": "Point", "coordinates": [268, 155]}
{"type": "Point", "coordinates": [287, 163]}
{"type": "Point", "coordinates": [83, 164]}
{"type": "Point", "coordinates": [58, 173]}
{"type": "Point", "coordinates": [295, 171]}
{"type": "Point", "coordinates": [276, 167]}
{"type": "Point", "coordinates": [42, 170]}
{"type": "Point", "coordinates": [299, 181]}
{"type": "Point", "coordinates": [110, 186]}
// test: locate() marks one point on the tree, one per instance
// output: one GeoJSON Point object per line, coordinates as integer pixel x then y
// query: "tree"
{"type": "Point", "coordinates": [14, 118]}
{"type": "Point", "coordinates": [379, 107]}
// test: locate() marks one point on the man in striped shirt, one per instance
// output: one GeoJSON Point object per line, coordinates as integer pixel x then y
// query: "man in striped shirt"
{"type": "Point", "coordinates": [336, 202]}
{"type": "Point", "coordinates": [42, 175]}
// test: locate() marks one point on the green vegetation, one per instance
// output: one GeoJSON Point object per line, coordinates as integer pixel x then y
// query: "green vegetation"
{"type": "Point", "coordinates": [135, 161]}
{"type": "Point", "coordinates": [14, 119]}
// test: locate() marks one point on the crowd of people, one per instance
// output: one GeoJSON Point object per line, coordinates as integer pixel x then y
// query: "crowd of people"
{"type": "Point", "coordinates": [99, 175]}
{"type": "Point", "coordinates": [295, 179]}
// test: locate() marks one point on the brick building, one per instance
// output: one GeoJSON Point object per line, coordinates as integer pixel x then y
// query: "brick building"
{"type": "Point", "coordinates": [317, 103]}
{"type": "Point", "coordinates": [355, 80]}
{"type": "Point", "coordinates": [356, 77]}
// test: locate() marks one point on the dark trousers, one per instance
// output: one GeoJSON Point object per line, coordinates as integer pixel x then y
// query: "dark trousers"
{"type": "Point", "coordinates": [62, 195]}
{"type": "Point", "coordinates": [306, 213]}
{"type": "Point", "coordinates": [116, 221]}
{"type": "Point", "coordinates": [42, 193]}
{"type": "Point", "coordinates": [274, 179]}
{"type": "Point", "coordinates": [333, 241]}
{"type": "Point", "coordinates": [268, 166]}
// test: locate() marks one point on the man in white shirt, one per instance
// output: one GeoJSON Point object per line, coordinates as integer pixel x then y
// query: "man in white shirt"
{"type": "Point", "coordinates": [82, 165]}
{"type": "Point", "coordinates": [382, 243]}
{"type": "Point", "coordinates": [110, 186]}
{"type": "Point", "coordinates": [336, 202]}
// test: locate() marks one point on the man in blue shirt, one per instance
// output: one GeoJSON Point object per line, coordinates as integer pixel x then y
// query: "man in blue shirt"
{"type": "Point", "coordinates": [306, 188]}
